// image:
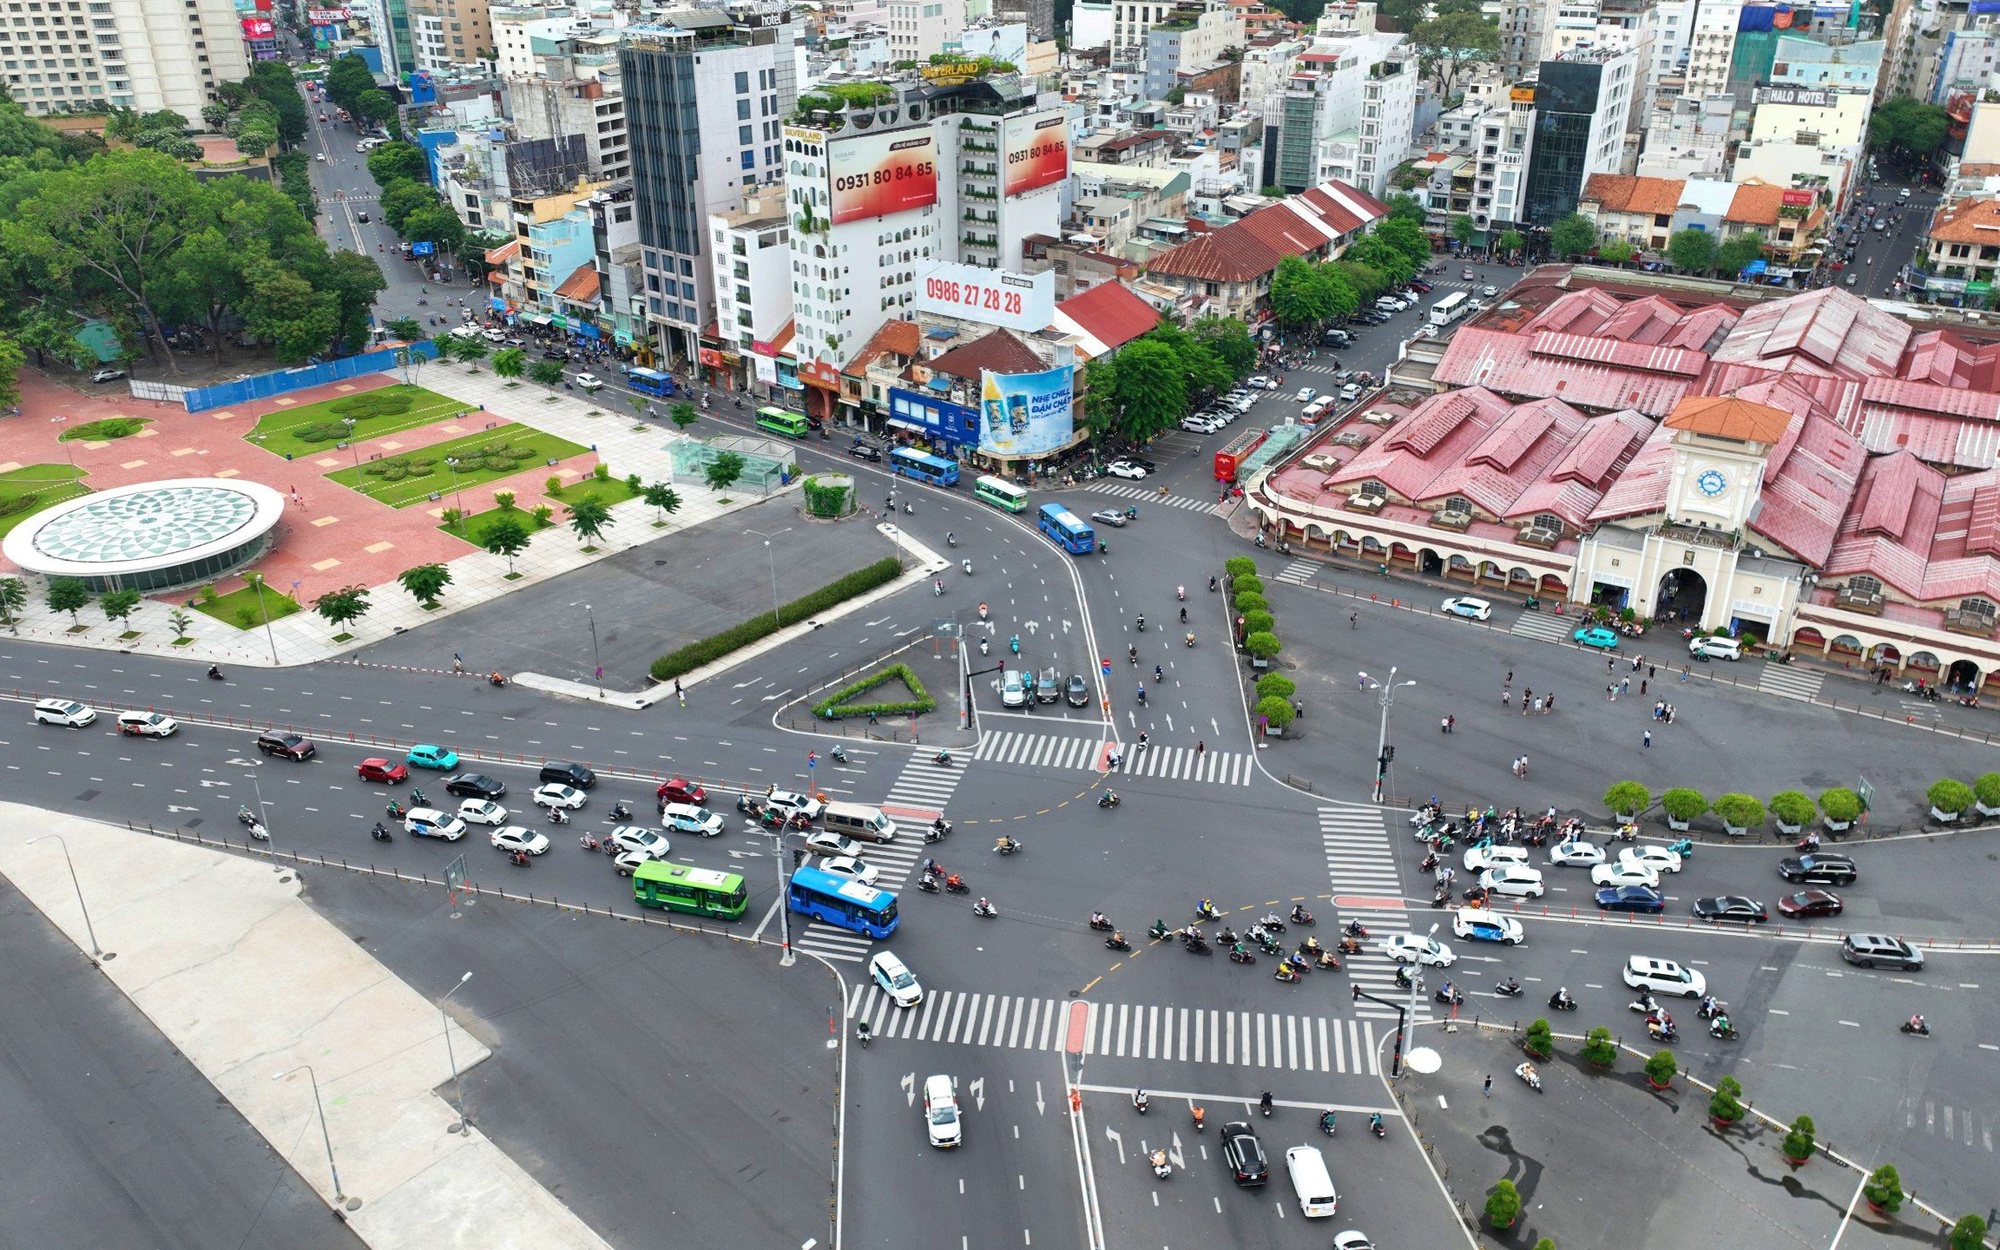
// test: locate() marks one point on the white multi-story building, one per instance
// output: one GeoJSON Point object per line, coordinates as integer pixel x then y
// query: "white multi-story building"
{"type": "Point", "coordinates": [1345, 113]}
{"type": "Point", "coordinates": [76, 57]}
{"type": "Point", "coordinates": [920, 29]}
{"type": "Point", "coordinates": [753, 278]}
{"type": "Point", "coordinates": [1090, 24]}
{"type": "Point", "coordinates": [515, 29]}
{"type": "Point", "coordinates": [1712, 46]}
{"type": "Point", "coordinates": [1506, 137]}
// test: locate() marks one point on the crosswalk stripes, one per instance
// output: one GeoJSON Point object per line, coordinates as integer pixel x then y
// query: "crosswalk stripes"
{"type": "Point", "coordinates": [923, 785]}
{"type": "Point", "coordinates": [1542, 627]}
{"type": "Point", "coordinates": [1299, 572]}
{"type": "Point", "coordinates": [1039, 750]}
{"type": "Point", "coordinates": [1256, 1039]}
{"type": "Point", "coordinates": [1223, 768]}
{"type": "Point", "coordinates": [1361, 861]}
{"type": "Point", "coordinates": [1125, 490]}
{"type": "Point", "coordinates": [1789, 682]}
{"type": "Point", "coordinates": [1961, 1125]}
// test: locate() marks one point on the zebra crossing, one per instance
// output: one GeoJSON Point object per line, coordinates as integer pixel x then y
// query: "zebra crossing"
{"type": "Point", "coordinates": [1033, 750]}
{"type": "Point", "coordinates": [1790, 683]}
{"type": "Point", "coordinates": [1960, 1125]}
{"type": "Point", "coordinates": [1542, 627]}
{"type": "Point", "coordinates": [1299, 572]}
{"type": "Point", "coordinates": [1125, 490]}
{"type": "Point", "coordinates": [1361, 862]}
{"type": "Point", "coordinates": [1255, 1039]}
{"type": "Point", "coordinates": [920, 790]}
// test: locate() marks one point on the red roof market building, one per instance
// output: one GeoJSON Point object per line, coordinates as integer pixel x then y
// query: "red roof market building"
{"type": "Point", "coordinates": [1227, 272]}
{"type": "Point", "coordinates": [1812, 471]}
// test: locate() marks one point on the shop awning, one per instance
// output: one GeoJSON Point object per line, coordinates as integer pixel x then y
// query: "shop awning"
{"type": "Point", "coordinates": [536, 318]}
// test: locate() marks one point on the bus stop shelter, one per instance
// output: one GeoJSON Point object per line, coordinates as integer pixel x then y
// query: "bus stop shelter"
{"type": "Point", "coordinates": [768, 465]}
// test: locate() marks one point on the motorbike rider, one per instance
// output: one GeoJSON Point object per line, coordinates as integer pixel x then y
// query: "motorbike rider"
{"type": "Point", "coordinates": [1098, 920]}
{"type": "Point", "coordinates": [1300, 915]}
{"type": "Point", "coordinates": [1561, 998]}
{"type": "Point", "coordinates": [1510, 986]}
{"type": "Point", "coordinates": [862, 1032]}
{"type": "Point", "coordinates": [982, 905]}
{"type": "Point", "coordinates": [950, 539]}
{"type": "Point", "coordinates": [215, 670]}
{"type": "Point", "coordinates": [1917, 1024]}
{"type": "Point", "coordinates": [1004, 843]}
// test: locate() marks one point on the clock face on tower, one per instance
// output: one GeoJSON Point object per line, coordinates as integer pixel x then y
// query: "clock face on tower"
{"type": "Point", "coordinates": [1711, 482]}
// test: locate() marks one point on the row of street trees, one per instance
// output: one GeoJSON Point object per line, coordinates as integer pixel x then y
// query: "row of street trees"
{"type": "Point", "coordinates": [1145, 388]}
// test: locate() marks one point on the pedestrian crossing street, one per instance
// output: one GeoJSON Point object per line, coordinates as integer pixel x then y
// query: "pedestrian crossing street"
{"type": "Point", "coordinates": [1543, 627]}
{"type": "Point", "coordinates": [1256, 1039]}
{"type": "Point", "coordinates": [1789, 682]}
{"type": "Point", "coordinates": [1361, 863]}
{"type": "Point", "coordinates": [1033, 750]}
{"type": "Point", "coordinates": [920, 791]}
{"type": "Point", "coordinates": [1141, 494]}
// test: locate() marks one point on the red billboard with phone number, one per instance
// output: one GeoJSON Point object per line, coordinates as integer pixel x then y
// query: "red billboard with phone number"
{"type": "Point", "coordinates": [258, 28]}
{"type": "Point", "coordinates": [1037, 152]}
{"type": "Point", "coordinates": [875, 175]}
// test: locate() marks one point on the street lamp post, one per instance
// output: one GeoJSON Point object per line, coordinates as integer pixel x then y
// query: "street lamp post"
{"type": "Point", "coordinates": [96, 955]}
{"type": "Point", "coordinates": [1386, 696]}
{"type": "Point", "coordinates": [356, 451]}
{"type": "Point", "coordinates": [786, 957]}
{"type": "Point", "coordinates": [458, 496]}
{"type": "Point", "coordinates": [1409, 1018]}
{"type": "Point", "coordinates": [339, 1198]}
{"type": "Point", "coordinates": [772, 554]}
{"type": "Point", "coordinates": [457, 1090]}
{"type": "Point", "coordinates": [257, 580]}
{"type": "Point", "coordinates": [596, 657]}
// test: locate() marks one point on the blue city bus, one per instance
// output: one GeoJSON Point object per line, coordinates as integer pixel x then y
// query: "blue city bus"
{"type": "Point", "coordinates": [649, 381]}
{"type": "Point", "coordinates": [1069, 533]}
{"type": "Point", "coordinates": [842, 902]}
{"type": "Point", "coordinates": [924, 467]}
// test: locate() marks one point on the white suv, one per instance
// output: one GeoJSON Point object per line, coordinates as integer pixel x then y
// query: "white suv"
{"type": "Point", "coordinates": [1643, 972]}
{"type": "Point", "coordinates": [66, 712]}
{"type": "Point", "coordinates": [896, 980]}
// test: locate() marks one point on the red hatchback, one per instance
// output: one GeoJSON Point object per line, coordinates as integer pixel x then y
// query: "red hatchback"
{"type": "Point", "coordinates": [392, 772]}
{"type": "Point", "coordinates": [679, 791]}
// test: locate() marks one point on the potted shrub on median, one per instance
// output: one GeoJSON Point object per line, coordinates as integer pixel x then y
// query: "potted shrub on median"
{"type": "Point", "coordinates": [1791, 811]}
{"type": "Point", "coordinates": [1948, 798]}
{"type": "Point", "coordinates": [1840, 807]}
{"type": "Point", "coordinates": [1239, 566]}
{"type": "Point", "coordinates": [1277, 714]}
{"type": "Point", "coordinates": [1503, 1204]}
{"type": "Point", "coordinates": [1539, 1040]}
{"type": "Point", "coordinates": [1276, 686]}
{"type": "Point", "coordinates": [1598, 1048]}
{"type": "Point", "coordinates": [1682, 806]}
{"type": "Point", "coordinates": [1627, 799]}
{"type": "Point", "coordinates": [1248, 584]}
{"type": "Point", "coordinates": [1968, 1234]}
{"type": "Point", "coordinates": [1884, 1190]}
{"type": "Point", "coordinates": [1986, 794]}
{"type": "Point", "coordinates": [1660, 1069]}
{"type": "Point", "coordinates": [1798, 1143]}
{"type": "Point", "coordinates": [1263, 647]}
{"type": "Point", "coordinates": [1725, 1105]}
{"type": "Point", "coordinates": [1740, 814]}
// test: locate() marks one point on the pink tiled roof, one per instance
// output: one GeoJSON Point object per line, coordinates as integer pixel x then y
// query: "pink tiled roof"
{"type": "Point", "coordinates": [1509, 364]}
{"type": "Point", "coordinates": [1928, 535]}
{"type": "Point", "coordinates": [1252, 246]}
{"type": "Point", "coordinates": [1827, 330]}
{"type": "Point", "coordinates": [1110, 313]}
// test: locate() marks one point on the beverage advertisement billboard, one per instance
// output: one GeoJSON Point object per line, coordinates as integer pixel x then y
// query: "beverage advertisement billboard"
{"type": "Point", "coordinates": [875, 175]}
{"type": "Point", "coordinates": [1037, 151]}
{"type": "Point", "coordinates": [1025, 414]}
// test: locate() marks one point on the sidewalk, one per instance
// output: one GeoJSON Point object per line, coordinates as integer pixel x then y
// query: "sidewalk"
{"type": "Point", "coordinates": [611, 430]}
{"type": "Point", "coordinates": [249, 982]}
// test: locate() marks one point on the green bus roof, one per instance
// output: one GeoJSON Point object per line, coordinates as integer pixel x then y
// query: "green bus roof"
{"type": "Point", "coordinates": [688, 874]}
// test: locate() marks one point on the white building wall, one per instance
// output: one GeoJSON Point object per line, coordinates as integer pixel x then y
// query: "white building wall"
{"type": "Point", "coordinates": [1712, 46]}
{"type": "Point", "coordinates": [128, 53]}
{"type": "Point", "coordinates": [1090, 24]}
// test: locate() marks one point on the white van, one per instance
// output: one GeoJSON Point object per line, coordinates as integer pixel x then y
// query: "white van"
{"type": "Point", "coordinates": [1311, 1181]}
{"type": "Point", "coordinates": [687, 818]}
{"type": "Point", "coordinates": [858, 821]}
{"type": "Point", "coordinates": [1715, 648]}
{"type": "Point", "coordinates": [1316, 409]}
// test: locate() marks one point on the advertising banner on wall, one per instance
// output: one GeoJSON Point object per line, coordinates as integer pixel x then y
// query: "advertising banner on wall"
{"type": "Point", "coordinates": [1025, 414]}
{"type": "Point", "coordinates": [1036, 148]}
{"type": "Point", "coordinates": [258, 28]}
{"type": "Point", "coordinates": [326, 17]}
{"type": "Point", "coordinates": [875, 175]}
{"type": "Point", "coordinates": [766, 368]}
{"type": "Point", "coordinates": [1018, 301]}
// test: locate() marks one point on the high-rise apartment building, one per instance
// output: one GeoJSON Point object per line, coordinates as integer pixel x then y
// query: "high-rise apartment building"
{"type": "Point", "coordinates": [70, 56]}
{"type": "Point", "coordinates": [1712, 46]}
{"type": "Point", "coordinates": [448, 33]}
{"type": "Point", "coordinates": [707, 93]}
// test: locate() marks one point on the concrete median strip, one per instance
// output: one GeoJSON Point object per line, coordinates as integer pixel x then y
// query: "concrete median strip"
{"type": "Point", "coordinates": [249, 982]}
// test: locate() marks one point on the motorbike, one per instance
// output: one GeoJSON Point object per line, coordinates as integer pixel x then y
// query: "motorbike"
{"type": "Point", "coordinates": [1286, 974]}
{"type": "Point", "coordinates": [983, 646]}
{"type": "Point", "coordinates": [1159, 931]}
{"type": "Point", "coordinates": [985, 909]}
{"type": "Point", "coordinates": [1914, 1029]}
{"type": "Point", "coordinates": [862, 1033]}
{"type": "Point", "coordinates": [1442, 898]}
{"type": "Point", "coordinates": [495, 679]}
{"type": "Point", "coordinates": [1301, 916]}
{"type": "Point", "coordinates": [1269, 945]}
{"type": "Point", "coordinates": [1327, 1123]}
{"type": "Point", "coordinates": [1200, 1118]}
{"type": "Point", "coordinates": [520, 859]}
{"type": "Point", "coordinates": [1161, 1168]}
{"type": "Point", "coordinates": [1721, 1029]}
{"type": "Point", "coordinates": [1272, 923]}
{"type": "Point", "coordinates": [1376, 1126]}
{"type": "Point", "coordinates": [1327, 962]}
{"type": "Point", "coordinates": [1451, 997]}
{"type": "Point", "coordinates": [1299, 963]}
{"type": "Point", "coordinates": [1348, 946]}
{"type": "Point", "coordinates": [1683, 848]}
{"type": "Point", "coordinates": [1711, 1008]}
{"type": "Point", "coordinates": [417, 798]}
{"type": "Point", "coordinates": [1014, 644]}
{"type": "Point", "coordinates": [1644, 1005]}
{"type": "Point", "coordinates": [1355, 929]}
{"type": "Point", "coordinates": [1142, 624]}
{"type": "Point", "coordinates": [1108, 799]}
{"type": "Point", "coordinates": [592, 844]}
{"type": "Point", "coordinates": [380, 833]}
{"type": "Point", "coordinates": [1190, 640]}
{"type": "Point", "coordinates": [1428, 862]}
{"type": "Point", "coordinates": [1197, 945]}
{"type": "Point", "coordinates": [257, 832]}
{"type": "Point", "coordinates": [215, 671]}
{"type": "Point", "coordinates": [942, 759]}
{"type": "Point", "coordinates": [1403, 978]}
{"type": "Point", "coordinates": [967, 566]}
{"type": "Point", "coordinates": [1527, 1073]}
{"type": "Point", "coordinates": [1510, 988]}
{"type": "Point", "coordinates": [621, 811]}
{"type": "Point", "coordinates": [1007, 846]}
{"type": "Point", "coordinates": [245, 817]}
{"type": "Point", "coordinates": [954, 885]}
{"type": "Point", "coordinates": [938, 829]}
{"type": "Point", "coordinates": [1660, 1031]}
{"type": "Point", "coordinates": [1264, 1104]}
{"type": "Point", "coordinates": [1116, 943]}
{"type": "Point", "coordinates": [1559, 1001]}
{"type": "Point", "coordinates": [1205, 910]}
{"type": "Point", "coordinates": [839, 754]}
{"type": "Point", "coordinates": [1241, 957]}
{"type": "Point", "coordinates": [557, 816]}
{"type": "Point", "coordinates": [927, 883]}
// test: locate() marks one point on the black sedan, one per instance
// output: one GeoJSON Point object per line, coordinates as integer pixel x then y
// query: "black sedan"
{"type": "Point", "coordinates": [1244, 1154]}
{"type": "Point", "coordinates": [1630, 898]}
{"type": "Point", "coordinates": [1809, 903]}
{"type": "Point", "coordinates": [1731, 907]}
{"type": "Point", "coordinates": [475, 786]}
{"type": "Point", "coordinates": [1077, 692]}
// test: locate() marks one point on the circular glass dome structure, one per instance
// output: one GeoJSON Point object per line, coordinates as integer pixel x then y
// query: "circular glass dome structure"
{"type": "Point", "coordinates": [150, 535]}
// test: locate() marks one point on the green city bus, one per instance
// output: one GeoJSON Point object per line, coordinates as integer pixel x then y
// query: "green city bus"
{"type": "Point", "coordinates": [1000, 493]}
{"type": "Point", "coordinates": [778, 421]}
{"type": "Point", "coordinates": [683, 887]}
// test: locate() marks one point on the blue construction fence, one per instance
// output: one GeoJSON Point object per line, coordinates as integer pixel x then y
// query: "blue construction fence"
{"type": "Point", "coordinates": [285, 381]}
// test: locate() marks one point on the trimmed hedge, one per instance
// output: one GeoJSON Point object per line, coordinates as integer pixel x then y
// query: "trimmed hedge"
{"type": "Point", "coordinates": [715, 646]}
{"type": "Point", "coordinates": [836, 706]}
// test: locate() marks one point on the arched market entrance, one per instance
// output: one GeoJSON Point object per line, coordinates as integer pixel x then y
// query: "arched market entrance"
{"type": "Point", "coordinates": [1682, 595]}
